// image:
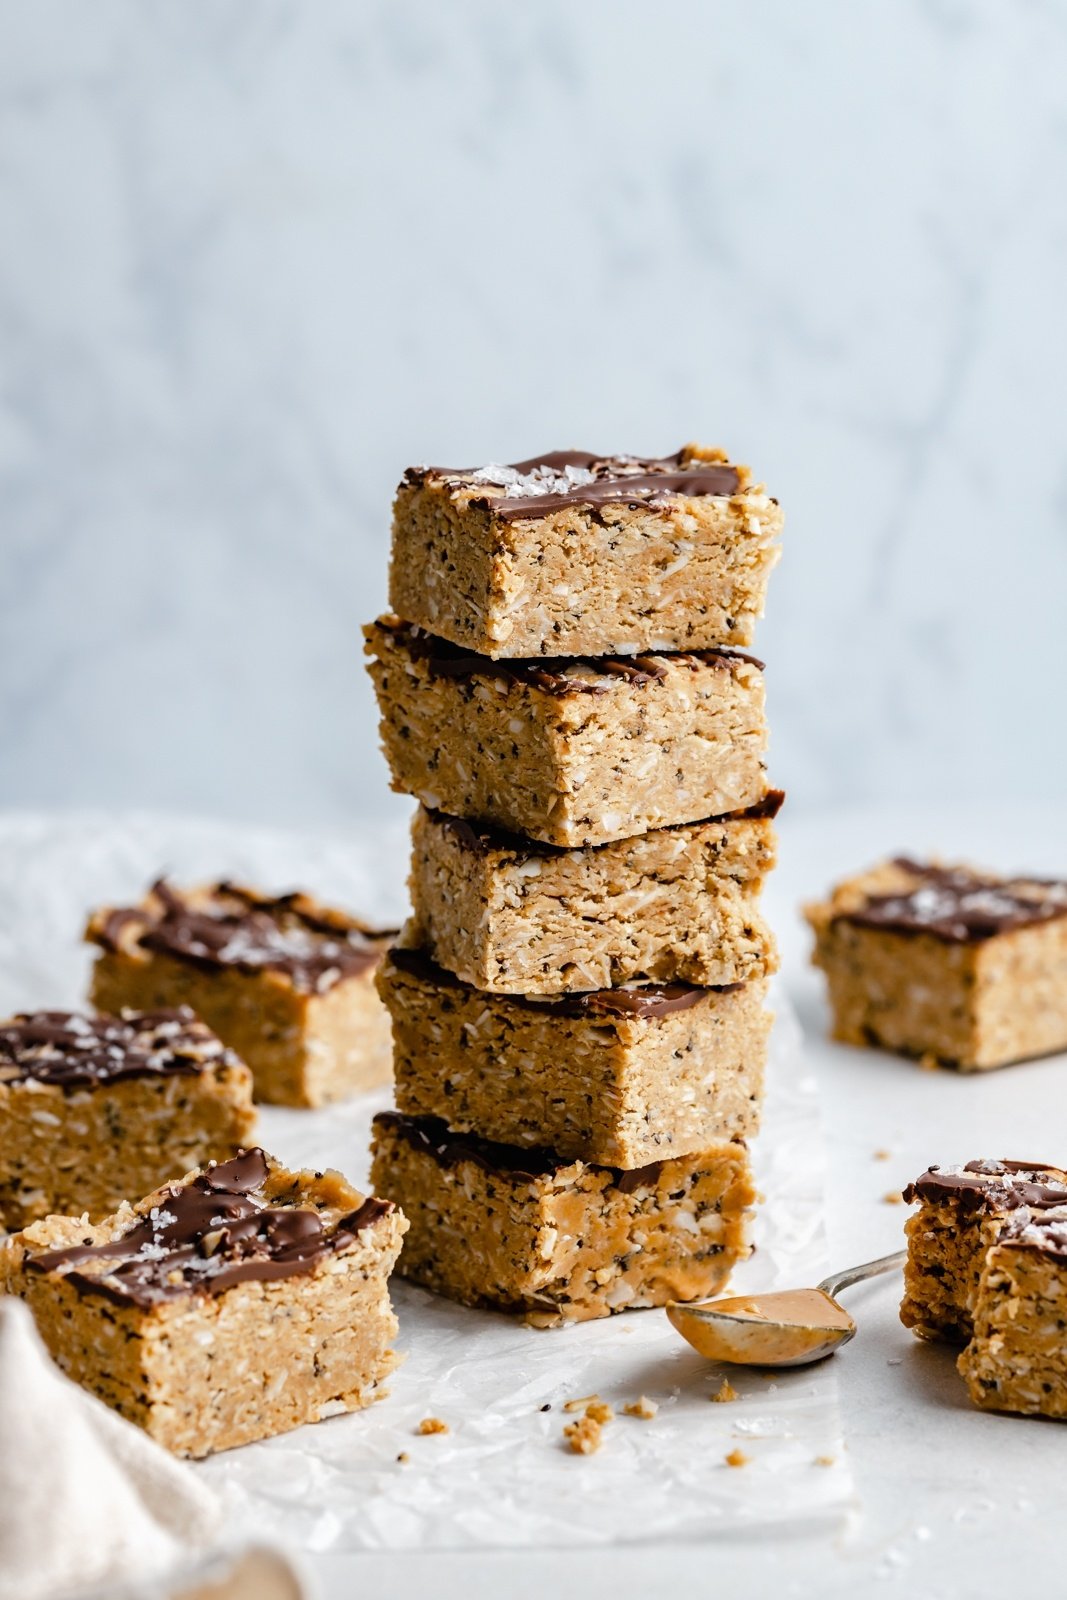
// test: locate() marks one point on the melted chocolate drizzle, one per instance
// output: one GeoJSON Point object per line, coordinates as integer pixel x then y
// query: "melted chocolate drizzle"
{"type": "Point", "coordinates": [237, 927]}
{"type": "Point", "coordinates": [554, 674]}
{"type": "Point", "coordinates": [433, 1137]}
{"type": "Point", "coordinates": [595, 481]}
{"type": "Point", "coordinates": [638, 1000]}
{"type": "Point", "coordinates": [960, 906]}
{"type": "Point", "coordinates": [207, 1235]}
{"type": "Point", "coordinates": [481, 838]}
{"type": "Point", "coordinates": [992, 1185]}
{"type": "Point", "coordinates": [73, 1051]}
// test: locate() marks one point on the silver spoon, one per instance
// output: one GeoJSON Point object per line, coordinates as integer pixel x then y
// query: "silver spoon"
{"type": "Point", "coordinates": [789, 1328]}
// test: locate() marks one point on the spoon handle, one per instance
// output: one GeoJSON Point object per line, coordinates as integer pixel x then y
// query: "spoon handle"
{"type": "Point", "coordinates": [870, 1269]}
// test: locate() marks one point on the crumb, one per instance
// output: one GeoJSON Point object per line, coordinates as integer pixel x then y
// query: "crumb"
{"type": "Point", "coordinates": [547, 1406]}
{"type": "Point", "coordinates": [599, 1411]}
{"type": "Point", "coordinates": [403, 1456]}
{"type": "Point", "coordinates": [582, 1403]}
{"type": "Point", "coordinates": [893, 1197]}
{"type": "Point", "coordinates": [584, 1436]}
{"type": "Point", "coordinates": [642, 1407]}
{"type": "Point", "coordinates": [825, 1461]}
{"type": "Point", "coordinates": [432, 1425]}
{"type": "Point", "coordinates": [929, 1062]}
{"type": "Point", "coordinates": [725, 1392]}
{"type": "Point", "coordinates": [882, 1155]}
{"type": "Point", "coordinates": [737, 1458]}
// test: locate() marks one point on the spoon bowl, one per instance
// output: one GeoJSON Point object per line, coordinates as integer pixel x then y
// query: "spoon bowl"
{"type": "Point", "coordinates": [788, 1328]}
{"type": "Point", "coordinates": [771, 1330]}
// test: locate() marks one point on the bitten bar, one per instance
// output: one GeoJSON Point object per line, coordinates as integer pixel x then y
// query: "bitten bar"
{"type": "Point", "coordinates": [963, 1212]}
{"type": "Point", "coordinates": [236, 1303]}
{"type": "Point", "coordinates": [1017, 1360]}
{"type": "Point", "coordinates": [619, 1076]}
{"type": "Point", "coordinates": [93, 1108]}
{"type": "Point", "coordinates": [574, 552]}
{"type": "Point", "coordinates": [526, 1232]}
{"type": "Point", "coordinates": [676, 905]}
{"type": "Point", "coordinates": [963, 967]}
{"type": "Point", "coordinates": [569, 752]}
{"type": "Point", "coordinates": [286, 982]}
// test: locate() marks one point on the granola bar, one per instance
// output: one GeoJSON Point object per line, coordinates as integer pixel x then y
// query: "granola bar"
{"type": "Point", "coordinates": [676, 905]}
{"type": "Point", "coordinates": [573, 751]}
{"type": "Point", "coordinates": [571, 551]}
{"type": "Point", "coordinates": [94, 1106]}
{"type": "Point", "coordinates": [963, 1212]}
{"type": "Point", "coordinates": [619, 1076]}
{"type": "Point", "coordinates": [285, 981]}
{"type": "Point", "coordinates": [524, 1230]}
{"type": "Point", "coordinates": [946, 962]}
{"type": "Point", "coordinates": [236, 1303]}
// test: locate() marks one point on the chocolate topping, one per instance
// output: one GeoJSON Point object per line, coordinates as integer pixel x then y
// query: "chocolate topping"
{"type": "Point", "coordinates": [564, 478]}
{"type": "Point", "coordinates": [227, 925]}
{"type": "Point", "coordinates": [636, 1000]}
{"type": "Point", "coordinates": [765, 809]}
{"type": "Point", "coordinates": [207, 1235]}
{"type": "Point", "coordinates": [553, 674]}
{"type": "Point", "coordinates": [992, 1186]}
{"type": "Point", "coordinates": [960, 906]}
{"type": "Point", "coordinates": [433, 1137]}
{"type": "Point", "coordinates": [73, 1051]}
{"type": "Point", "coordinates": [481, 838]}
{"type": "Point", "coordinates": [1047, 1232]}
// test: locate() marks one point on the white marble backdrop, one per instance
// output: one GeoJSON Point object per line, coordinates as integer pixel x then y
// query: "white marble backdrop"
{"type": "Point", "coordinates": [256, 255]}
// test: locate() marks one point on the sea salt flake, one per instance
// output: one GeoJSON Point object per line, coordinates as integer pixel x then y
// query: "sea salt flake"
{"type": "Point", "coordinates": [538, 481]}
{"type": "Point", "coordinates": [152, 1252]}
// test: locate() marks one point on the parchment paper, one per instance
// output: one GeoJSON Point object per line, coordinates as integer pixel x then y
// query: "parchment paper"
{"type": "Point", "coordinates": [501, 1476]}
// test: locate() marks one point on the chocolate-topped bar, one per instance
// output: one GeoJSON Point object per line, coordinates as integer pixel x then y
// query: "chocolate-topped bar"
{"type": "Point", "coordinates": [619, 1076]}
{"type": "Point", "coordinates": [962, 967]}
{"type": "Point", "coordinates": [963, 1212]}
{"type": "Point", "coordinates": [92, 1106]}
{"type": "Point", "coordinates": [283, 979]}
{"type": "Point", "coordinates": [231, 1304]}
{"type": "Point", "coordinates": [956, 904]}
{"type": "Point", "coordinates": [512, 916]}
{"type": "Point", "coordinates": [524, 1230]}
{"type": "Point", "coordinates": [577, 552]}
{"type": "Point", "coordinates": [575, 752]}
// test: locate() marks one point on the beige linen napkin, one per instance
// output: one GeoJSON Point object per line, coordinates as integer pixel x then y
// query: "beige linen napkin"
{"type": "Point", "coordinates": [87, 1499]}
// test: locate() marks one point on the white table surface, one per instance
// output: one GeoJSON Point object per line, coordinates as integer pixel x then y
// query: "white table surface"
{"type": "Point", "coordinates": [953, 1502]}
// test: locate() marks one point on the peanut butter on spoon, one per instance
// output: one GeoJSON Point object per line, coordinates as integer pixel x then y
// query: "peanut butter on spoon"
{"type": "Point", "coordinates": [790, 1328]}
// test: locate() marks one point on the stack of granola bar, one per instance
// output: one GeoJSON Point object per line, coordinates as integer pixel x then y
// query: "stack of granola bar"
{"type": "Point", "coordinates": [578, 1001]}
